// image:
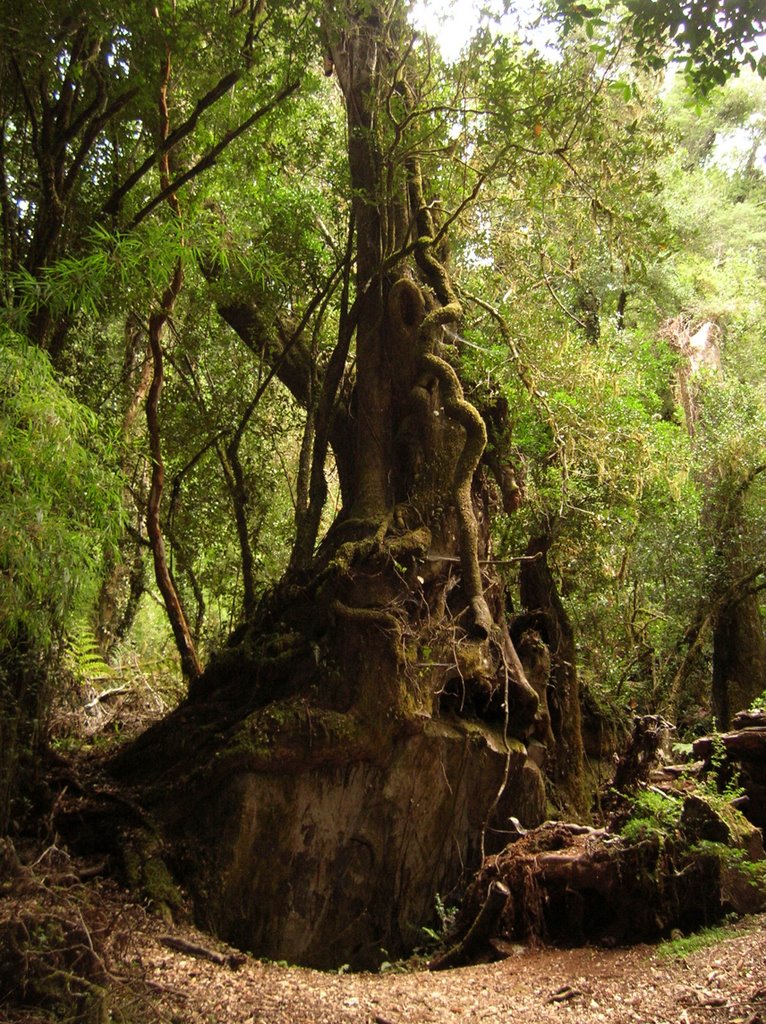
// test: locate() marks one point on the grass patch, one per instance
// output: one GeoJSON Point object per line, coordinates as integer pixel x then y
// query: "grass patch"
{"type": "Point", "coordinates": [685, 945]}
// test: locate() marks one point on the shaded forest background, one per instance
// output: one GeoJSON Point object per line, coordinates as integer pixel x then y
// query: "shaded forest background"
{"type": "Point", "coordinates": [181, 254]}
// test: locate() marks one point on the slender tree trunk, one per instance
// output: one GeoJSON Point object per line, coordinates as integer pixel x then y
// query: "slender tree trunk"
{"type": "Point", "coordinates": [116, 611]}
{"type": "Point", "coordinates": [739, 658]}
{"type": "Point", "coordinates": [307, 524]}
{"type": "Point", "coordinates": [190, 663]}
{"type": "Point", "coordinates": [235, 482]}
{"type": "Point", "coordinates": [730, 609]}
{"type": "Point", "coordinates": [541, 601]}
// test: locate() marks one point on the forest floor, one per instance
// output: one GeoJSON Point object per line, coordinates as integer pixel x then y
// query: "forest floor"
{"type": "Point", "coordinates": [155, 971]}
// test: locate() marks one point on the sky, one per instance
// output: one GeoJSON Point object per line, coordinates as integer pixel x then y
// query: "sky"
{"type": "Point", "coordinates": [452, 22]}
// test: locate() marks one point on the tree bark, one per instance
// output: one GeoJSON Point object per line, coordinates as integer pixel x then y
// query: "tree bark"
{"type": "Point", "coordinates": [739, 658]}
{"type": "Point", "coordinates": [541, 601]}
{"type": "Point", "coordinates": [190, 664]}
{"type": "Point", "coordinates": [360, 60]}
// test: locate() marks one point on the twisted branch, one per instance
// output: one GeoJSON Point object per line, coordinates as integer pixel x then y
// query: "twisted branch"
{"type": "Point", "coordinates": [455, 405]}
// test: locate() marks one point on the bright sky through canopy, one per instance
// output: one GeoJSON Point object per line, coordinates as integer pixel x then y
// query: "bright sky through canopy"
{"type": "Point", "coordinates": [453, 22]}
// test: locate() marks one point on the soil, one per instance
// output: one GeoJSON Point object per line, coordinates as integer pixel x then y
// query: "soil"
{"type": "Point", "coordinates": [151, 982]}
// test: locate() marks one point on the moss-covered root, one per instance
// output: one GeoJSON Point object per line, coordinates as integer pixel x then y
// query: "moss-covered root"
{"type": "Point", "coordinates": [466, 415]}
{"type": "Point", "coordinates": [455, 405]}
{"type": "Point", "coordinates": [523, 696]}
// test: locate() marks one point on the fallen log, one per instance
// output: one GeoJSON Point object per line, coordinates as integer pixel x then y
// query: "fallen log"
{"type": "Point", "coordinates": [232, 960]}
{"type": "Point", "coordinates": [571, 885]}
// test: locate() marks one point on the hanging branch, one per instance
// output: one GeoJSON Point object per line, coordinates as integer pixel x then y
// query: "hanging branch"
{"type": "Point", "coordinates": [222, 87]}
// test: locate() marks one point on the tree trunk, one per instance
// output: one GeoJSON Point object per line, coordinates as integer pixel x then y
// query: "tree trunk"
{"type": "Point", "coordinates": [124, 575]}
{"type": "Point", "coordinates": [190, 664]}
{"type": "Point", "coordinates": [739, 658]}
{"type": "Point", "coordinates": [546, 622]}
{"type": "Point", "coordinates": [733, 610]}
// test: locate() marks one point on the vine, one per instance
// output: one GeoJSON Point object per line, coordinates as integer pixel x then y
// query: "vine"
{"type": "Point", "coordinates": [455, 405]}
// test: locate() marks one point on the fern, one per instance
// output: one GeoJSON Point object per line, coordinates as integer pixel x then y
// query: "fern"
{"type": "Point", "coordinates": [83, 656]}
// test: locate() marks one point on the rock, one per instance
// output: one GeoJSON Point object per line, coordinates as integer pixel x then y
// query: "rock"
{"type": "Point", "coordinates": [745, 744]}
{"type": "Point", "coordinates": [603, 732]}
{"type": "Point", "coordinates": [311, 840]}
{"type": "Point", "coordinates": [745, 756]}
{"type": "Point", "coordinates": [749, 719]}
{"type": "Point", "coordinates": [738, 891]}
{"type": "Point", "coordinates": [700, 821]}
{"type": "Point", "coordinates": [537, 752]}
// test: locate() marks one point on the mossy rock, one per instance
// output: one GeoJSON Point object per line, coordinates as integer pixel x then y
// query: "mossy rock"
{"type": "Point", "coordinates": [147, 873]}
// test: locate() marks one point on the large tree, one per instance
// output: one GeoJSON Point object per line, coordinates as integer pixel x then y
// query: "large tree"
{"type": "Point", "coordinates": [379, 714]}
{"type": "Point", "coordinates": [374, 702]}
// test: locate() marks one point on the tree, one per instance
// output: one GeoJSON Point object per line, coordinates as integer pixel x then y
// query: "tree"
{"type": "Point", "coordinates": [59, 507]}
{"type": "Point", "coordinates": [390, 640]}
{"type": "Point", "coordinates": [94, 117]}
{"type": "Point", "coordinates": [718, 285]}
{"type": "Point", "coordinates": [379, 712]}
{"type": "Point", "coordinates": [713, 40]}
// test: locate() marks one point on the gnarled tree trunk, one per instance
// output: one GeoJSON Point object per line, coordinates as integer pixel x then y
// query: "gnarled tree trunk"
{"type": "Point", "coordinates": [362, 741]}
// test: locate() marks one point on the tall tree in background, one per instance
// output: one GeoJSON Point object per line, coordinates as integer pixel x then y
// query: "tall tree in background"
{"type": "Point", "coordinates": [87, 163]}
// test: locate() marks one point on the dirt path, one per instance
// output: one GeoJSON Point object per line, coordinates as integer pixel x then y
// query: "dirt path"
{"type": "Point", "coordinates": [91, 937]}
{"type": "Point", "coordinates": [723, 982]}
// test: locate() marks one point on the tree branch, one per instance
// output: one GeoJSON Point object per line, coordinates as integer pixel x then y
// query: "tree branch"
{"type": "Point", "coordinates": [210, 158]}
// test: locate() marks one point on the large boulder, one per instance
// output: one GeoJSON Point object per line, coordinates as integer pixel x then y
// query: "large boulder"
{"type": "Point", "coordinates": [304, 835]}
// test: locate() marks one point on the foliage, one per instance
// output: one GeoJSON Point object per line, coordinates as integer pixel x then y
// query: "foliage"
{"type": "Point", "coordinates": [712, 40]}
{"type": "Point", "coordinates": [60, 507]}
{"type": "Point", "coordinates": [736, 860]}
{"type": "Point", "coordinates": [653, 814]}
{"type": "Point", "coordinates": [83, 655]}
{"type": "Point", "coordinates": [682, 946]}
{"type": "Point", "coordinates": [59, 502]}
{"type": "Point", "coordinates": [759, 704]}
{"type": "Point", "coordinates": [583, 209]}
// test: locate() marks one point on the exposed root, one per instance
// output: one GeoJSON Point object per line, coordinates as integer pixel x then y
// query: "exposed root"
{"type": "Point", "coordinates": [479, 932]}
{"type": "Point", "coordinates": [374, 616]}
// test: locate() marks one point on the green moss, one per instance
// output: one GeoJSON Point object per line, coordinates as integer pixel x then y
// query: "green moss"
{"type": "Point", "coordinates": [682, 946]}
{"type": "Point", "coordinates": [291, 732]}
{"type": "Point", "coordinates": [736, 860]}
{"type": "Point", "coordinates": [652, 814]}
{"type": "Point", "coordinates": [147, 873]}
{"type": "Point", "coordinates": [473, 660]}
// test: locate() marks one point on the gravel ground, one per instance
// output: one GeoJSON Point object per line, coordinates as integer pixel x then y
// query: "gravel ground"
{"type": "Point", "coordinates": [159, 973]}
